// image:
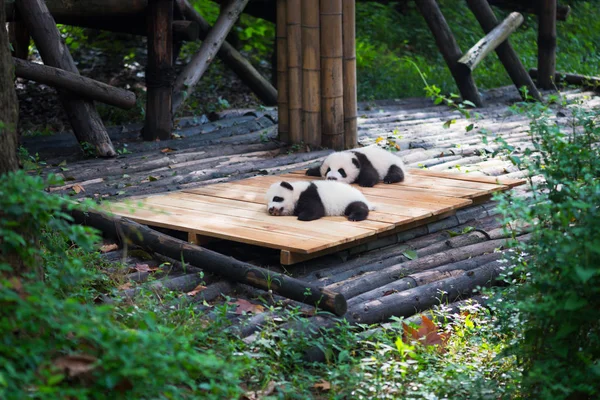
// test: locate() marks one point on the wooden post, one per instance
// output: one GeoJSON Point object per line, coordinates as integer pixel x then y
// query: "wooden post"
{"type": "Point", "coordinates": [350, 91]}
{"type": "Point", "coordinates": [491, 41]}
{"type": "Point", "coordinates": [294, 67]}
{"type": "Point", "coordinates": [84, 118]}
{"type": "Point", "coordinates": [332, 86]}
{"type": "Point", "coordinates": [75, 83]}
{"type": "Point", "coordinates": [191, 74]}
{"type": "Point", "coordinates": [507, 55]}
{"type": "Point", "coordinates": [159, 71]}
{"type": "Point", "coordinates": [283, 114]}
{"type": "Point", "coordinates": [311, 73]}
{"type": "Point", "coordinates": [449, 48]}
{"type": "Point", "coordinates": [19, 38]}
{"type": "Point", "coordinates": [547, 44]}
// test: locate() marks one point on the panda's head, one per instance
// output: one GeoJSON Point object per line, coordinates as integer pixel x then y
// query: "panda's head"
{"type": "Point", "coordinates": [341, 167]}
{"type": "Point", "coordinates": [280, 199]}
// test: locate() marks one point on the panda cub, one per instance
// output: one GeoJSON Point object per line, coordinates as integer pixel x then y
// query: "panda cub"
{"type": "Point", "coordinates": [365, 166]}
{"type": "Point", "coordinates": [313, 200]}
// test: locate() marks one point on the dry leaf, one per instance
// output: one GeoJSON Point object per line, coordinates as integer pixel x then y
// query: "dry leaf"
{"type": "Point", "coordinates": [109, 247]}
{"type": "Point", "coordinates": [143, 268]}
{"type": "Point", "coordinates": [167, 150]}
{"type": "Point", "coordinates": [75, 365]}
{"type": "Point", "coordinates": [77, 188]}
{"type": "Point", "coordinates": [388, 292]}
{"type": "Point", "coordinates": [244, 306]}
{"type": "Point", "coordinates": [322, 385]}
{"type": "Point", "coordinates": [196, 290]}
{"type": "Point", "coordinates": [17, 286]}
{"type": "Point", "coordinates": [259, 394]}
{"type": "Point", "coordinates": [125, 286]}
{"type": "Point", "coordinates": [427, 334]}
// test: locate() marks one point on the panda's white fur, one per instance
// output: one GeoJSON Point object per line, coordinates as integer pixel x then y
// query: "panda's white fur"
{"type": "Point", "coordinates": [381, 160]}
{"type": "Point", "coordinates": [335, 197]}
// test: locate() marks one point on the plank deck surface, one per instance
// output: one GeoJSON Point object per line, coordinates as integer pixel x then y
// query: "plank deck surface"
{"type": "Point", "coordinates": [237, 211]}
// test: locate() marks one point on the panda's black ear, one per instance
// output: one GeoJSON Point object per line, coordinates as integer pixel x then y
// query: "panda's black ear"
{"type": "Point", "coordinates": [287, 185]}
{"type": "Point", "coordinates": [356, 162]}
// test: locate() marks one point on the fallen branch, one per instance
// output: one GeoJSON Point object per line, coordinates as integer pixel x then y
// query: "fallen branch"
{"type": "Point", "coordinates": [75, 83]}
{"type": "Point", "coordinates": [571, 79]}
{"type": "Point", "coordinates": [126, 230]}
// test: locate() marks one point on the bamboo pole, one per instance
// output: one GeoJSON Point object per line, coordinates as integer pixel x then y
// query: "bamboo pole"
{"type": "Point", "coordinates": [547, 44]}
{"type": "Point", "coordinates": [507, 55]}
{"type": "Point", "coordinates": [294, 67]}
{"type": "Point", "coordinates": [283, 115]}
{"type": "Point", "coordinates": [332, 89]}
{"type": "Point", "coordinates": [350, 90]}
{"type": "Point", "coordinates": [311, 73]}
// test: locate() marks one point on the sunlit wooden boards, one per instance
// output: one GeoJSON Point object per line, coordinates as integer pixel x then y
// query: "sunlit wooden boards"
{"type": "Point", "coordinates": [237, 211]}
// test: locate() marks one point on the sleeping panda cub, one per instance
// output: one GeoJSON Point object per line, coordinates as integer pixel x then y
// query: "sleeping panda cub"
{"type": "Point", "coordinates": [313, 200]}
{"type": "Point", "coordinates": [365, 166]}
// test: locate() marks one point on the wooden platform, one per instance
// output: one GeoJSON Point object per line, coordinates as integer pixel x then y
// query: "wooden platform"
{"type": "Point", "coordinates": [237, 211]}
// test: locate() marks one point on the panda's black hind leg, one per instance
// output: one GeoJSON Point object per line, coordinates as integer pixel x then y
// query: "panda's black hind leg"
{"type": "Point", "coordinates": [395, 174]}
{"type": "Point", "coordinates": [314, 171]}
{"type": "Point", "coordinates": [357, 211]}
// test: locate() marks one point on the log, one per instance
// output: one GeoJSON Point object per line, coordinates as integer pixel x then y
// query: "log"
{"type": "Point", "coordinates": [546, 44]}
{"type": "Point", "coordinates": [507, 55]}
{"type": "Point", "coordinates": [159, 71]}
{"type": "Point", "coordinates": [491, 41]}
{"type": "Point", "coordinates": [529, 7]}
{"type": "Point", "coordinates": [373, 280]}
{"type": "Point", "coordinates": [84, 118]}
{"type": "Point", "coordinates": [571, 79]}
{"type": "Point", "coordinates": [75, 83]}
{"type": "Point", "coordinates": [127, 231]}
{"type": "Point", "coordinates": [282, 74]}
{"type": "Point", "coordinates": [332, 72]}
{"type": "Point", "coordinates": [233, 59]}
{"type": "Point", "coordinates": [86, 8]}
{"type": "Point", "coordinates": [350, 84]}
{"type": "Point", "coordinates": [191, 74]}
{"type": "Point", "coordinates": [311, 73]}
{"type": "Point", "coordinates": [409, 302]}
{"type": "Point", "coordinates": [19, 38]}
{"type": "Point", "coordinates": [449, 48]}
{"type": "Point", "coordinates": [294, 68]}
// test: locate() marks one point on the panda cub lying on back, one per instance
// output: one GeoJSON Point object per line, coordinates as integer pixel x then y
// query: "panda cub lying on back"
{"type": "Point", "coordinates": [313, 200]}
{"type": "Point", "coordinates": [365, 166]}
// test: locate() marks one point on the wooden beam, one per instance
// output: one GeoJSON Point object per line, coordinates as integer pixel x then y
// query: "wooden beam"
{"type": "Point", "coordinates": [350, 84]}
{"type": "Point", "coordinates": [311, 73]}
{"type": "Point", "coordinates": [491, 41]}
{"type": "Point", "coordinates": [283, 112]}
{"type": "Point", "coordinates": [86, 8]}
{"type": "Point", "coordinates": [159, 71]}
{"type": "Point", "coordinates": [507, 55]}
{"type": "Point", "coordinates": [449, 48]}
{"type": "Point", "coordinates": [547, 44]}
{"type": "Point", "coordinates": [571, 79]}
{"type": "Point", "coordinates": [75, 83]}
{"type": "Point", "coordinates": [233, 59]}
{"type": "Point", "coordinates": [192, 73]}
{"type": "Point", "coordinates": [84, 118]}
{"type": "Point", "coordinates": [529, 7]}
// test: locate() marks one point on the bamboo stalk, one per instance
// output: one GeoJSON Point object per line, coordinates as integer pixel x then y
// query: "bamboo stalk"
{"type": "Point", "coordinates": [294, 53]}
{"type": "Point", "coordinates": [282, 74]}
{"type": "Point", "coordinates": [311, 73]}
{"type": "Point", "coordinates": [332, 89]}
{"type": "Point", "coordinates": [350, 90]}
{"type": "Point", "coordinates": [547, 44]}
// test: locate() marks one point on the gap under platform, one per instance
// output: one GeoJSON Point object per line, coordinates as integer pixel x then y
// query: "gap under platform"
{"type": "Point", "coordinates": [237, 211]}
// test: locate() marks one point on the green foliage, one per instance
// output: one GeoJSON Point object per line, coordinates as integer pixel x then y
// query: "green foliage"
{"type": "Point", "coordinates": [555, 309]}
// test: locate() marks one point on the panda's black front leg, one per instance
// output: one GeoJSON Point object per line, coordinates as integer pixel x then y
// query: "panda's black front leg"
{"type": "Point", "coordinates": [368, 177]}
{"type": "Point", "coordinates": [314, 171]}
{"type": "Point", "coordinates": [395, 174]}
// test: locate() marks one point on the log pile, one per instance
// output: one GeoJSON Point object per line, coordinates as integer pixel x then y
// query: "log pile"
{"type": "Point", "coordinates": [316, 73]}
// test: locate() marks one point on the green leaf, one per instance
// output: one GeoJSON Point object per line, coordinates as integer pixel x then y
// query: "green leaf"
{"type": "Point", "coordinates": [448, 123]}
{"type": "Point", "coordinates": [585, 274]}
{"type": "Point", "coordinates": [469, 128]}
{"type": "Point", "coordinates": [575, 302]}
{"type": "Point", "coordinates": [410, 254]}
{"type": "Point", "coordinates": [438, 100]}
{"type": "Point", "coordinates": [469, 103]}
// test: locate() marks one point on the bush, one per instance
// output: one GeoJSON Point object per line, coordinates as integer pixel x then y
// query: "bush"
{"type": "Point", "coordinates": [555, 308]}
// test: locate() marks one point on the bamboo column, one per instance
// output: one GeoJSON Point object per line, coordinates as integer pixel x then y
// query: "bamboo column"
{"type": "Point", "coordinates": [350, 91]}
{"type": "Point", "coordinates": [332, 87]}
{"type": "Point", "coordinates": [546, 44]}
{"type": "Point", "coordinates": [294, 53]}
{"type": "Point", "coordinates": [311, 73]}
{"type": "Point", "coordinates": [283, 115]}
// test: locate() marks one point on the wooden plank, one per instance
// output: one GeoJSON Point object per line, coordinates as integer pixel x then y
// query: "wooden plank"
{"type": "Point", "coordinates": [511, 183]}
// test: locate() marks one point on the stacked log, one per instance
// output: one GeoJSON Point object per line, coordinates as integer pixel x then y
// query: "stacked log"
{"type": "Point", "coordinates": [316, 72]}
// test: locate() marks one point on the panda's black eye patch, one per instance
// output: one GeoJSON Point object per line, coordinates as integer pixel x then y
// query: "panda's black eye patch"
{"type": "Point", "coordinates": [278, 199]}
{"type": "Point", "coordinates": [342, 172]}
{"type": "Point", "coordinates": [328, 169]}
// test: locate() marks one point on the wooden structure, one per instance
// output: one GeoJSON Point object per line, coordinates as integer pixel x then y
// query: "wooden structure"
{"type": "Point", "coordinates": [316, 72]}
{"type": "Point", "coordinates": [236, 211]}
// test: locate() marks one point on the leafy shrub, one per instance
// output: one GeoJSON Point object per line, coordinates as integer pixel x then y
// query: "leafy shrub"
{"type": "Point", "coordinates": [55, 344]}
{"type": "Point", "coordinates": [555, 310]}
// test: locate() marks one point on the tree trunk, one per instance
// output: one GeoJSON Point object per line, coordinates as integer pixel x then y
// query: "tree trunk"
{"type": "Point", "coordinates": [9, 114]}
{"type": "Point", "coordinates": [546, 44]}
